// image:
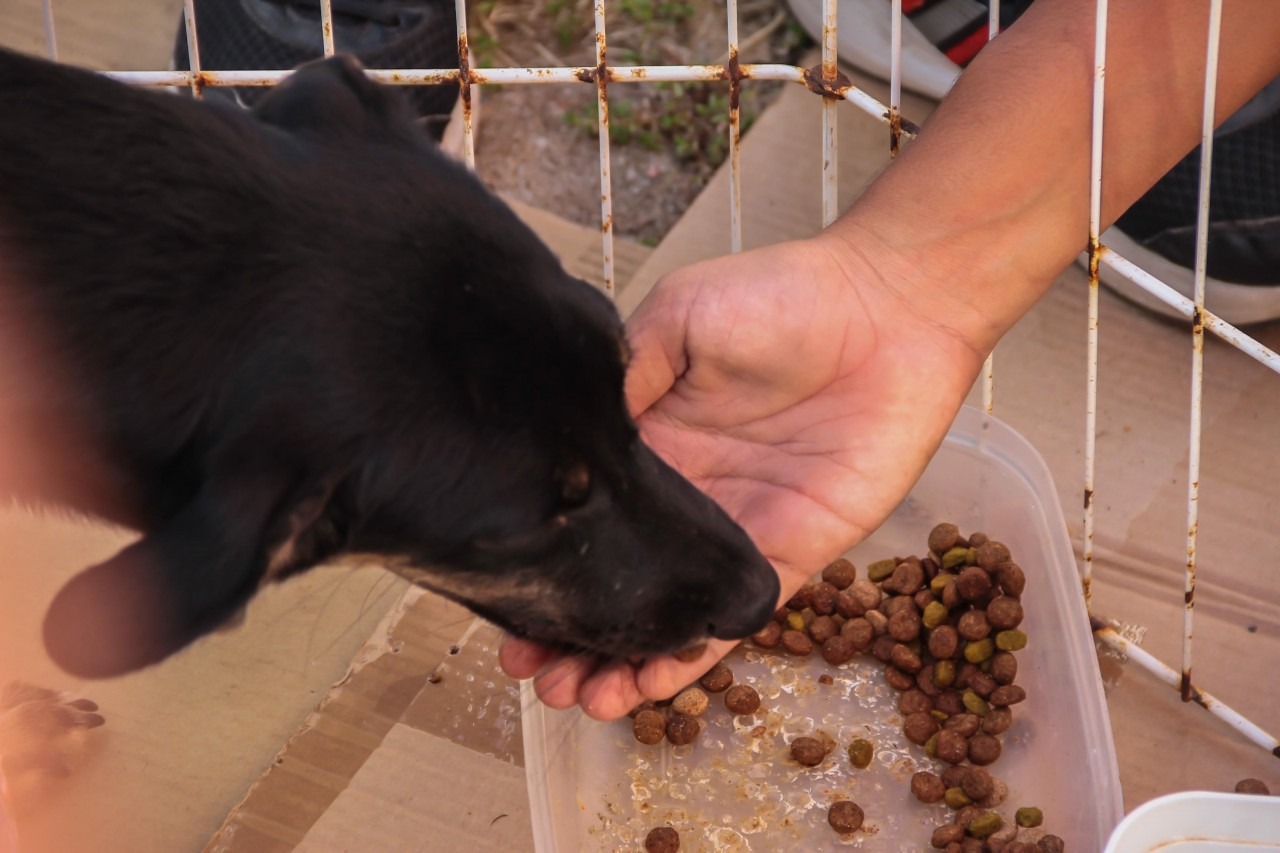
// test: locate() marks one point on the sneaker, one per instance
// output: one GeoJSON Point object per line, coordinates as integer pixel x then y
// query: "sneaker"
{"type": "Point", "coordinates": [939, 37]}
{"type": "Point", "coordinates": [1242, 265]}
{"type": "Point", "coordinates": [239, 35]}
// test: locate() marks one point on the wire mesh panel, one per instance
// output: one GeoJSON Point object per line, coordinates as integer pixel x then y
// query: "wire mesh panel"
{"type": "Point", "coordinates": [827, 82]}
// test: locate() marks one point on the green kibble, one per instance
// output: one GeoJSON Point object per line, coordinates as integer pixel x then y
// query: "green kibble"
{"type": "Point", "coordinates": [940, 716]}
{"type": "Point", "coordinates": [944, 673]}
{"type": "Point", "coordinates": [935, 613]}
{"type": "Point", "coordinates": [955, 557]}
{"type": "Point", "coordinates": [931, 746]}
{"type": "Point", "coordinates": [1028, 816]}
{"type": "Point", "coordinates": [978, 651]}
{"type": "Point", "coordinates": [860, 752]}
{"type": "Point", "coordinates": [975, 704]}
{"type": "Point", "coordinates": [985, 824]}
{"type": "Point", "coordinates": [940, 582]}
{"type": "Point", "coordinates": [1011, 641]}
{"type": "Point", "coordinates": [795, 621]}
{"type": "Point", "coordinates": [956, 798]}
{"type": "Point", "coordinates": [881, 569]}
{"type": "Point", "coordinates": [971, 557]}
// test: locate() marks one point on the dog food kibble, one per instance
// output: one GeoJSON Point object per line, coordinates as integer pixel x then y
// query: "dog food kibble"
{"type": "Point", "coordinates": [840, 574]}
{"type": "Point", "coordinates": [1028, 816]}
{"type": "Point", "coordinates": [797, 643]}
{"type": "Point", "coordinates": [1004, 612]}
{"type": "Point", "coordinates": [768, 637]}
{"type": "Point", "coordinates": [796, 621]}
{"type": "Point", "coordinates": [966, 724]}
{"type": "Point", "coordinates": [839, 649]}
{"type": "Point", "coordinates": [859, 631]}
{"type": "Point", "coordinates": [691, 701]}
{"type": "Point", "coordinates": [823, 628]}
{"type": "Point", "coordinates": [943, 537]}
{"type": "Point", "coordinates": [662, 839]}
{"type": "Point", "coordinates": [1011, 641]}
{"type": "Point", "coordinates": [919, 727]}
{"type": "Point", "coordinates": [1052, 844]}
{"type": "Point", "coordinates": [914, 701]}
{"type": "Point", "coordinates": [905, 659]}
{"type": "Point", "coordinates": [977, 784]}
{"type": "Point", "coordinates": [946, 835]}
{"type": "Point", "coordinates": [808, 751]}
{"type": "Point", "coordinates": [845, 817]}
{"type": "Point", "coordinates": [984, 749]}
{"type": "Point", "coordinates": [897, 679]}
{"type": "Point", "coordinates": [956, 798]}
{"type": "Point", "coordinates": [718, 678]}
{"type": "Point", "coordinates": [944, 642]}
{"type": "Point", "coordinates": [984, 824]}
{"type": "Point", "coordinates": [823, 599]}
{"type": "Point", "coordinates": [682, 729]}
{"type": "Point", "coordinates": [927, 787]}
{"type": "Point", "coordinates": [1252, 786]}
{"type": "Point", "coordinates": [973, 625]}
{"type": "Point", "coordinates": [997, 721]}
{"type": "Point", "coordinates": [649, 726]}
{"type": "Point", "coordinates": [1004, 667]}
{"type": "Point", "coordinates": [1009, 694]}
{"type": "Point", "coordinates": [881, 570]}
{"type": "Point", "coordinates": [742, 699]}
{"type": "Point", "coordinates": [973, 583]}
{"type": "Point", "coordinates": [953, 747]}
{"type": "Point", "coordinates": [861, 752]}
{"type": "Point", "coordinates": [866, 593]}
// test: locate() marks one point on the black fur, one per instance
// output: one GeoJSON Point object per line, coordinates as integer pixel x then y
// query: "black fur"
{"type": "Point", "coordinates": [268, 339]}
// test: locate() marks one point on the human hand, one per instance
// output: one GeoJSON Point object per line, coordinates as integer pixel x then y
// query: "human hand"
{"type": "Point", "coordinates": [803, 389]}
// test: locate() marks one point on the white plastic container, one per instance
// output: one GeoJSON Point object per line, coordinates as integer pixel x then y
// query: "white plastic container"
{"type": "Point", "coordinates": [593, 787]}
{"type": "Point", "coordinates": [1200, 822]}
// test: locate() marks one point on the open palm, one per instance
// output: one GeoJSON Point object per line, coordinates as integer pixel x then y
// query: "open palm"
{"type": "Point", "coordinates": [798, 389]}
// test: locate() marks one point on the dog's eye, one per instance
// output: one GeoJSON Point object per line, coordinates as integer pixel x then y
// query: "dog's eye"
{"type": "Point", "coordinates": [575, 484]}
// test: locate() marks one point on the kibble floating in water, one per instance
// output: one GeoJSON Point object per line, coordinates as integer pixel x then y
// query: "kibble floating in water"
{"type": "Point", "coordinates": [808, 751]}
{"type": "Point", "coordinates": [742, 699]}
{"type": "Point", "coordinates": [691, 701]}
{"type": "Point", "coordinates": [649, 726]}
{"type": "Point", "coordinates": [718, 678]}
{"type": "Point", "coordinates": [845, 817]}
{"type": "Point", "coordinates": [662, 839]}
{"type": "Point", "coordinates": [861, 752]}
{"type": "Point", "coordinates": [682, 729]}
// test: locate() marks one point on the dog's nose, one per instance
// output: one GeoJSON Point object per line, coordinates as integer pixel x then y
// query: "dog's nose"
{"type": "Point", "coordinates": [747, 615]}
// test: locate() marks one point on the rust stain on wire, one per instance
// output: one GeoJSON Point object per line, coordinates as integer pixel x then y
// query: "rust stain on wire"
{"type": "Point", "coordinates": [816, 81]}
{"type": "Point", "coordinates": [464, 77]}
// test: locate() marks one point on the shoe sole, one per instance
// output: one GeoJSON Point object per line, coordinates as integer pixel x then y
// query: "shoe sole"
{"type": "Point", "coordinates": [1238, 304]}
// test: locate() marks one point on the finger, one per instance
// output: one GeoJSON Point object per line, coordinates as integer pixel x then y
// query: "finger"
{"type": "Point", "coordinates": [559, 683]}
{"type": "Point", "coordinates": [523, 658]}
{"type": "Point", "coordinates": [663, 677]}
{"type": "Point", "coordinates": [611, 692]}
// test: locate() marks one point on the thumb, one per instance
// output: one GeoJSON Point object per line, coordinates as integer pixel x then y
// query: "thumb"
{"type": "Point", "coordinates": [656, 333]}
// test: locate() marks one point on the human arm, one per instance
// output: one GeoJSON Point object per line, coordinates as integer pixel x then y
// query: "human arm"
{"type": "Point", "coordinates": [805, 386]}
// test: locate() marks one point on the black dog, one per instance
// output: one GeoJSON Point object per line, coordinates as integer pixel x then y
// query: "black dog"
{"type": "Point", "coordinates": [268, 339]}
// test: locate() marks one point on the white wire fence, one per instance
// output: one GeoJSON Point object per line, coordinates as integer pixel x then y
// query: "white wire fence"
{"type": "Point", "coordinates": [827, 82]}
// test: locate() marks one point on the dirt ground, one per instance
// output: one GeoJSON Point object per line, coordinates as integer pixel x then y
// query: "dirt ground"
{"type": "Point", "coordinates": [539, 143]}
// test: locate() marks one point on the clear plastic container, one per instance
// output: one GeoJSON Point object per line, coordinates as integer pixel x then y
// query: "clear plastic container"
{"type": "Point", "coordinates": [1200, 822]}
{"type": "Point", "coordinates": [593, 787]}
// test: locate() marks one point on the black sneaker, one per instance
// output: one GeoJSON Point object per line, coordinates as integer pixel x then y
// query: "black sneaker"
{"type": "Point", "coordinates": [240, 35]}
{"type": "Point", "coordinates": [1158, 233]}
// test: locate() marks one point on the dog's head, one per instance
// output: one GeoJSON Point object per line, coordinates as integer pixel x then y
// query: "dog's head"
{"type": "Point", "coordinates": [433, 388]}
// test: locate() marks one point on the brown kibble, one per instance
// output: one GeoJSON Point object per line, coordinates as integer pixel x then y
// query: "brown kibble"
{"type": "Point", "coordinates": [944, 642]}
{"type": "Point", "coordinates": [768, 637]}
{"type": "Point", "coordinates": [823, 599]}
{"type": "Point", "coordinates": [977, 784]}
{"type": "Point", "coordinates": [796, 643]}
{"type": "Point", "coordinates": [895, 603]}
{"type": "Point", "coordinates": [904, 626]}
{"type": "Point", "coordinates": [691, 701]}
{"type": "Point", "coordinates": [1004, 667]}
{"type": "Point", "coordinates": [977, 539]}
{"type": "Point", "coordinates": [1253, 786]}
{"type": "Point", "coordinates": [780, 615]}
{"type": "Point", "coordinates": [839, 649]}
{"type": "Point", "coordinates": [866, 593]}
{"type": "Point", "coordinates": [923, 599]}
{"type": "Point", "coordinates": [991, 554]}
{"type": "Point", "coordinates": [927, 787]}
{"type": "Point", "coordinates": [845, 817]}
{"type": "Point", "coordinates": [662, 839]}
{"type": "Point", "coordinates": [907, 578]}
{"type": "Point", "coordinates": [945, 835]}
{"type": "Point", "coordinates": [943, 537]}
{"type": "Point", "coordinates": [825, 679]}
{"type": "Point", "coordinates": [966, 724]}
{"type": "Point", "coordinates": [801, 599]}
{"type": "Point", "coordinates": [963, 675]}
{"type": "Point", "coordinates": [1009, 694]}
{"type": "Point", "coordinates": [953, 747]}
{"type": "Point", "coordinates": [682, 729]}
{"type": "Point", "coordinates": [954, 775]}
{"type": "Point", "coordinates": [717, 679]}
{"type": "Point", "coordinates": [822, 629]}
{"type": "Point", "coordinates": [905, 659]}
{"type": "Point", "coordinates": [882, 648]}
{"type": "Point", "coordinates": [997, 721]}
{"type": "Point", "coordinates": [973, 625]}
{"type": "Point", "coordinates": [649, 727]}
{"type": "Point", "coordinates": [914, 702]}
{"type": "Point", "coordinates": [879, 622]}
{"type": "Point", "coordinates": [858, 630]}
{"type": "Point", "coordinates": [972, 584]}
{"type": "Point", "coordinates": [1011, 578]}
{"type": "Point", "coordinates": [983, 749]}
{"type": "Point", "coordinates": [808, 751]}
{"type": "Point", "coordinates": [1052, 844]}
{"type": "Point", "coordinates": [949, 702]}
{"type": "Point", "coordinates": [691, 653]}
{"type": "Point", "coordinates": [848, 606]}
{"type": "Point", "coordinates": [926, 680]}
{"type": "Point", "coordinates": [951, 595]}
{"type": "Point", "coordinates": [982, 684]}
{"type": "Point", "coordinates": [897, 679]}
{"type": "Point", "coordinates": [1004, 612]}
{"type": "Point", "coordinates": [1016, 846]}
{"type": "Point", "coordinates": [646, 705]}
{"type": "Point", "coordinates": [840, 573]}
{"type": "Point", "coordinates": [742, 699]}
{"type": "Point", "coordinates": [919, 727]}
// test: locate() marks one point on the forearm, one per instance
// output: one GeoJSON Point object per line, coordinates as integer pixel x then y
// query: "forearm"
{"type": "Point", "coordinates": [992, 200]}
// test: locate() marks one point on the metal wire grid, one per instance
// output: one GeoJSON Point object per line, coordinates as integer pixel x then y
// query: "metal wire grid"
{"type": "Point", "coordinates": [826, 81]}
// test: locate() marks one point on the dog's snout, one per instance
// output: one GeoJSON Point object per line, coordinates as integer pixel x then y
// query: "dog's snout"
{"type": "Point", "coordinates": [749, 611]}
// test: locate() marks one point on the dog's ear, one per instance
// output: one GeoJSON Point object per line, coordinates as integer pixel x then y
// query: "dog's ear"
{"type": "Point", "coordinates": [186, 577]}
{"type": "Point", "coordinates": [333, 96]}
